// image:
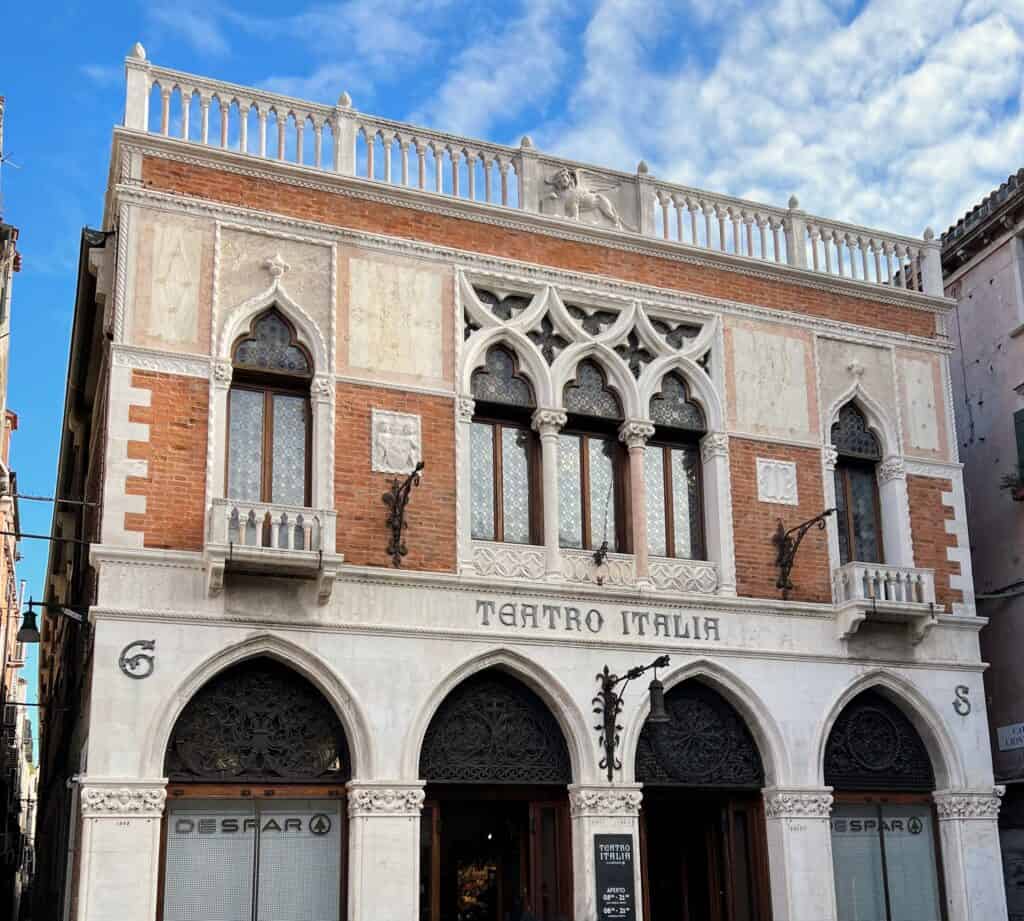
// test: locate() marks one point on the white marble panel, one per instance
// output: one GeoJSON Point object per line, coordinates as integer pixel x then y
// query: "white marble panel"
{"type": "Point", "coordinates": [771, 382]}
{"type": "Point", "coordinates": [776, 481]}
{"type": "Point", "coordinates": [921, 413]}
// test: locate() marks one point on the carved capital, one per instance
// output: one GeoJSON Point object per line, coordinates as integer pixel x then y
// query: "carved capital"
{"type": "Point", "coordinates": [969, 804]}
{"type": "Point", "coordinates": [634, 433]}
{"type": "Point", "coordinates": [712, 445]}
{"type": "Point", "coordinates": [787, 803]}
{"type": "Point", "coordinates": [549, 421]}
{"type": "Point", "coordinates": [892, 468]}
{"type": "Point", "coordinates": [119, 800]}
{"type": "Point", "coordinates": [830, 456]}
{"type": "Point", "coordinates": [322, 386]}
{"type": "Point", "coordinates": [385, 800]}
{"type": "Point", "coordinates": [222, 372]}
{"type": "Point", "coordinates": [465, 407]}
{"type": "Point", "coordinates": [604, 801]}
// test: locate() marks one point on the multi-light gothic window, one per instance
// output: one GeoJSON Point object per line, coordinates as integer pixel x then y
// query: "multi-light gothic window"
{"type": "Point", "coordinates": [858, 511]}
{"type": "Point", "coordinates": [269, 415]}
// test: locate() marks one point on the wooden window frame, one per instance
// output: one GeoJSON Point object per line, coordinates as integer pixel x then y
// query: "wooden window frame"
{"type": "Point", "coordinates": [587, 429]}
{"type": "Point", "coordinates": [271, 385]}
{"type": "Point", "coordinates": [844, 464]}
{"type": "Point", "coordinates": [492, 416]}
{"type": "Point", "coordinates": [666, 446]}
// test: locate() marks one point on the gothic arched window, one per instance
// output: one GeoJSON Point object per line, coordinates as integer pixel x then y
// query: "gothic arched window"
{"type": "Point", "coordinates": [675, 519]}
{"type": "Point", "coordinates": [269, 415]}
{"type": "Point", "coordinates": [505, 454]}
{"type": "Point", "coordinates": [591, 464]}
{"type": "Point", "coordinates": [859, 516]}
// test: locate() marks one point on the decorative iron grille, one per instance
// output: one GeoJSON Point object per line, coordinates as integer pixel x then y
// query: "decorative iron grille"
{"type": "Point", "coordinates": [258, 722]}
{"type": "Point", "coordinates": [873, 746]}
{"type": "Point", "coordinates": [705, 743]}
{"type": "Point", "coordinates": [493, 729]}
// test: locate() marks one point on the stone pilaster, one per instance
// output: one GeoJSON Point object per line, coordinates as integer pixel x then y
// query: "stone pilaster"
{"type": "Point", "coordinates": [548, 423]}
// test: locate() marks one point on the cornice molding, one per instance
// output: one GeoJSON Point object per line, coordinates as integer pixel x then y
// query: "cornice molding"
{"type": "Point", "coordinates": [141, 359]}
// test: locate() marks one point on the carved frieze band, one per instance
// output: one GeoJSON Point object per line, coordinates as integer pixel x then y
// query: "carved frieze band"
{"type": "Point", "coordinates": [385, 801]}
{"type": "Point", "coordinates": [125, 356]}
{"type": "Point", "coordinates": [578, 566]}
{"type": "Point", "coordinates": [969, 805]}
{"type": "Point", "coordinates": [684, 575]}
{"type": "Point", "coordinates": [604, 801]}
{"type": "Point", "coordinates": [508, 561]}
{"type": "Point", "coordinates": [117, 801]}
{"type": "Point", "coordinates": [797, 804]}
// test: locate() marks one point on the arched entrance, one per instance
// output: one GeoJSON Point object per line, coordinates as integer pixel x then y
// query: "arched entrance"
{"type": "Point", "coordinates": [702, 825]}
{"type": "Point", "coordinates": [884, 833]}
{"type": "Point", "coordinates": [495, 839]}
{"type": "Point", "coordinates": [255, 822]}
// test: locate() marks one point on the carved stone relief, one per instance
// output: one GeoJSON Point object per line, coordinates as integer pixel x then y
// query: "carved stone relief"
{"type": "Point", "coordinates": [582, 195]}
{"type": "Point", "coordinates": [776, 481]}
{"type": "Point", "coordinates": [396, 443]}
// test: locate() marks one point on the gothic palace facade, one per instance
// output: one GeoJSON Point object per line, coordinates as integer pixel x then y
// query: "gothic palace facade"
{"type": "Point", "coordinates": [310, 686]}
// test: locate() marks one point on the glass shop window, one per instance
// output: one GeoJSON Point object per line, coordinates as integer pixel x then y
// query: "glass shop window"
{"type": "Point", "coordinates": [858, 511]}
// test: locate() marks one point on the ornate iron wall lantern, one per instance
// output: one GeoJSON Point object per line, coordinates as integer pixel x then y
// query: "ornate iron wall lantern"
{"type": "Point", "coordinates": [28, 632]}
{"type": "Point", "coordinates": [788, 542]}
{"type": "Point", "coordinates": [608, 705]}
{"type": "Point", "coordinates": [396, 499]}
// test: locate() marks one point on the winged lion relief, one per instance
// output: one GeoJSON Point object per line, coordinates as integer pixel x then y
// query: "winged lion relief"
{"type": "Point", "coordinates": [580, 193]}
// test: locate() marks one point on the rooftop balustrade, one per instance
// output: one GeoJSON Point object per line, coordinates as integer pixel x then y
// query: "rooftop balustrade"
{"type": "Point", "coordinates": [342, 140]}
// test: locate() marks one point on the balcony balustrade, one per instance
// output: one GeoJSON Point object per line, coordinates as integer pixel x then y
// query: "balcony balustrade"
{"type": "Point", "coordinates": [886, 594]}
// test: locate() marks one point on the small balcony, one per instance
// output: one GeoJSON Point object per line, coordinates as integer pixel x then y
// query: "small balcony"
{"type": "Point", "coordinates": [271, 539]}
{"type": "Point", "coordinates": [873, 593]}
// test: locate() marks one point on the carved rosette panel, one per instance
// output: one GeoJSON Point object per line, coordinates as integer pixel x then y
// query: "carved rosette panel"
{"type": "Point", "coordinates": [797, 804]}
{"type": "Point", "coordinates": [115, 802]}
{"type": "Point", "coordinates": [604, 801]}
{"type": "Point", "coordinates": [969, 805]}
{"type": "Point", "coordinates": [684, 575]}
{"type": "Point", "coordinates": [578, 566]}
{"type": "Point", "coordinates": [508, 561]}
{"type": "Point", "coordinates": [385, 801]}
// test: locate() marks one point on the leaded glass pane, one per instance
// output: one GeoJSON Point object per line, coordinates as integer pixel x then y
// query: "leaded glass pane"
{"type": "Point", "coordinates": [589, 395]}
{"type": "Point", "coordinates": [288, 480]}
{"type": "Point", "coordinates": [601, 457]}
{"type": "Point", "coordinates": [673, 407]}
{"type": "Point", "coordinates": [570, 503]}
{"type": "Point", "coordinates": [851, 435]}
{"type": "Point", "coordinates": [686, 510]}
{"type": "Point", "coordinates": [482, 481]}
{"type": "Point", "coordinates": [866, 532]}
{"type": "Point", "coordinates": [270, 347]}
{"type": "Point", "coordinates": [654, 478]}
{"type": "Point", "coordinates": [245, 447]}
{"type": "Point", "coordinates": [842, 517]}
{"type": "Point", "coordinates": [496, 381]}
{"type": "Point", "coordinates": [515, 484]}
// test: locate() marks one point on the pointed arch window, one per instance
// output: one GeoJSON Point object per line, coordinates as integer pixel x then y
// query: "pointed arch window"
{"type": "Point", "coordinates": [859, 516]}
{"type": "Point", "coordinates": [672, 474]}
{"type": "Point", "coordinates": [591, 464]}
{"type": "Point", "coordinates": [505, 478]}
{"type": "Point", "coordinates": [269, 415]}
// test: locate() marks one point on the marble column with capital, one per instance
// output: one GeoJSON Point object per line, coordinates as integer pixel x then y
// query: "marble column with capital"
{"type": "Point", "coordinates": [548, 423]}
{"type": "Point", "coordinates": [634, 434]}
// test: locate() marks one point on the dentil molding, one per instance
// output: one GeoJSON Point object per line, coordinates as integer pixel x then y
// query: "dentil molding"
{"type": "Point", "coordinates": [969, 805]}
{"type": "Point", "coordinates": [604, 801]}
{"type": "Point", "coordinates": [98, 802]}
{"type": "Point", "coordinates": [385, 801]}
{"type": "Point", "coordinates": [797, 804]}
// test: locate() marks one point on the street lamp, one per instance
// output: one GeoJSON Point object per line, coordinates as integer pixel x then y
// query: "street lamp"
{"type": "Point", "coordinates": [28, 632]}
{"type": "Point", "coordinates": [608, 705]}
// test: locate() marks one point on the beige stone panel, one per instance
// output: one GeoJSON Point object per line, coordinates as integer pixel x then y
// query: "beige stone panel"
{"type": "Point", "coordinates": [925, 432]}
{"type": "Point", "coordinates": [836, 375]}
{"type": "Point", "coordinates": [173, 283]}
{"type": "Point", "coordinates": [395, 319]}
{"type": "Point", "coordinates": [243, 273]}
{"type": "Point", "coordinates": [770, 380]}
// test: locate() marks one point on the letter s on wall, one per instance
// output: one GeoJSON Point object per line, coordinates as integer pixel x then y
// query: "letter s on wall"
{"type": "Point", "coordinates": [138, 664]}
{"type": "Point", "coordinates": [962, 705]}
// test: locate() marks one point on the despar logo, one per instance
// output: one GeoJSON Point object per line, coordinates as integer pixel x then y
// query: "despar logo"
{"type": "Point", "coordinates": [319, 824]}
{"type": "Point", "coordinates": [861, 826]}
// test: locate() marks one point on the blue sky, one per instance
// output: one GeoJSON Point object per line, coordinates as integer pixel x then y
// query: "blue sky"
{"type": "Point", "coordinates": [898, 114]}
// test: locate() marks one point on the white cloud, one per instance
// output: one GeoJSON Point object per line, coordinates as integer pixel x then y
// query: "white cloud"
{"type": "Point", "coordinates": [200, 27]}
{"type": "Point", "coordinates": [103, 76]}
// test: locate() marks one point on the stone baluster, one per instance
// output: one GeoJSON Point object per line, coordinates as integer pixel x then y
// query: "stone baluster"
{"type": "Point", "coordinates": [204, 116]}
{"type": "Point", "coordinates": [282, 125]}
{"type": "Point", "coordinates": [548, 423]}
{"type": "Point", "coordinates": [487, 178]}
{"type": "Point", "coordinates": [737, 238]}
{"type": "Point", "coordinates": [165, 110]}
{"type": "Point", "coordinates": [503, 169]}
{"type": "Point", "coordinates": [318, 142]}
{"type": "Point", "coordinates": [678, 202]}
{"type": "Point", "coordinates": [776, 225]}
{"type": "Point", "coordinates": [225, 110]}
{"type": "Point", "coordinates": [262, 114]}
{"type": "Point", "coordinates": [244, 106]}
{"type": "Point", "coordinates": [438, 151]}
{"type": "Point", "coordinates": [388, 142]}
{"type": "Point", "coordinates": [721, 213]}
{"type": "Point", "coordinates": [693, 207]}
{"type": "Point", "coordinates": [471, 156]}
{"type": "Point", "coordinates": [748, 220]}
{"type": "Point", "coordinates": [796, 235]}
{"type": "Point", "coordinates": [138, 84]}
{"type": "Point", "coordinates": [300, 135]}
{"type": "Point", "coordinates": [370, 137]}
{"type": "Point", "coordinates": [456, 157]}
{"type": "Point", "coordinates": [664, 199]}
{"type": "Point", "coordinates": [708, 210]}
{"type": "Point", "coordinates": [634, 433]}
{"type": "Point", "coordinates": [816, 240]}
{"type": "Point", "coordinates": [403, 145]}
{"type": "Point", "coordinates": [421, 161]}
{"type": "Point", "coordinates": [862, 242]}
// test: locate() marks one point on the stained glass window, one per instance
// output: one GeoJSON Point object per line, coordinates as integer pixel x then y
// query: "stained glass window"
{"type": "Point", "coordinates": [857, 504]}
{"type": "Point", "coordinates": [245, 449]}
{"type": "Point", "coordinates": [270, 346]}
{"type": "Point", "coordinates": [515, 484]}
{"type": "Point", "coordinates": [590, 394]}
{"type": "Point", "coordinates": [674, 408]}
{"type": "Point", "coordinates": [499, 381]}
{"type": "Point", "coordinates": [501, 482]}
{"type": "Point", "coordinates": [602, 491]}
{"type": "Point", "coordinates": [288, 483]}
{"type": "Point", "coordinates": [852, 437]}
{"type": "Point", "coordinates": [570, 501]}
{"type": "Point", "coordinates": [588, 472]}
{"type": "Point", "coordinates": [482, 481]}
{"type": "Point", "coordinates": [674, 509]}
{"type": "Point", "coordinates": [654, 481]}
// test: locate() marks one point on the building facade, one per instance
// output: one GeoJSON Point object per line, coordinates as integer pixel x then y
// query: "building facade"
{"type": "Point", "coordinates": [321, 680]}
{"type": "Point", "coordinates": [983, 262]}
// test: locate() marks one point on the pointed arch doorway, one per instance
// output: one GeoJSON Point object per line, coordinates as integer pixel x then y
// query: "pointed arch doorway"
{"type": "Point", "coordinates": [702, 834]}
{"type": "Point", "coordinates": [255, 827]}
{"type": "Point", "coordinates": [494, 834]}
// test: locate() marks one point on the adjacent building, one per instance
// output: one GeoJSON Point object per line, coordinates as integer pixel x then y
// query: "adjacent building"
{"type": "Point", "coordinates": [468, 532]}
{"type": "Point", "coordinates": [983, 263]}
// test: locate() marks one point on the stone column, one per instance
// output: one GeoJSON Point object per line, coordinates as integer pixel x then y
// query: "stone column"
{"type": "Point", "coordinates": [599, 810]}
{"type": "Point", "coordinates": [634, 434]}
{"type": "Point", "coordinates": [972, 868]}
{"type": "Point", "coordinates": [464, 409]}
{"type": "Point", "coordinates": [120, 849]}
{"type": "Point", "coordinates": [714, 455]}
{"type": "Point", "coordinates": [892, 497]}
{"type": "Point", "coordinates": [800, 853]}
{"type": "Point", "coordinates": [384, 850]}
{"type": "Point", "coordinates": [548, 423]}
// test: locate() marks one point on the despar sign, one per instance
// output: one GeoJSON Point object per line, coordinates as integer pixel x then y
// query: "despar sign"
{"type": "Point", "coordinates": [318, 825]}
{"type": "Point", "coordinates": [613, 872]}
{"type": "Point", "coordinates": [559, 618]}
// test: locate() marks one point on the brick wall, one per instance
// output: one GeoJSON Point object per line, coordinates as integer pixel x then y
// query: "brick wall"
{"type": "Point", "coordinates": [175, 483]}
{"type": "Point", "coordinates": [345, 211]}
{"type": "Point", "coordinates": [754, 523]}
{"type": "Point", "coordinates": [363, 534]}
{"type": "Point", "coordinates": [927, 525]}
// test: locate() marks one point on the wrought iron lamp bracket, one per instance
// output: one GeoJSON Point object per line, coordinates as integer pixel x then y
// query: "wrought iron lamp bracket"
{"type": "Point", "coordinates": [787, 543]}
{"type": "Point", "coordinates": [608, 705]}
{"type": "Point", "coordinates": [396, 499]}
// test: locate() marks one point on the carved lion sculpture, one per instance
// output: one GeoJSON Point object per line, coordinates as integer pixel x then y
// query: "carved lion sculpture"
{"type": "Point", "coordinates": [578, 193]}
